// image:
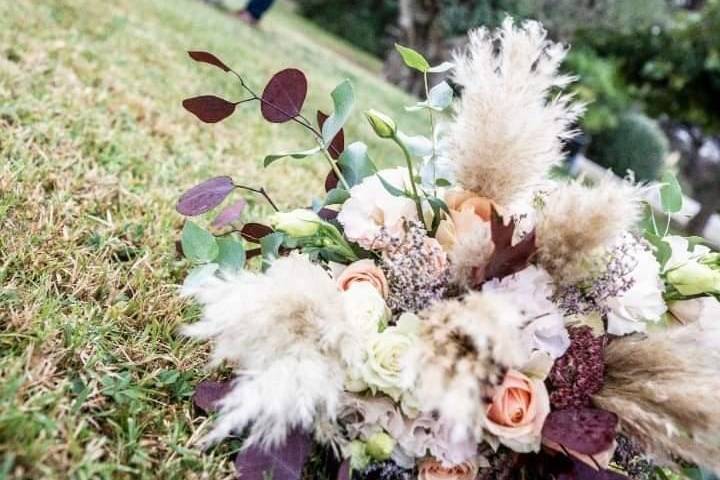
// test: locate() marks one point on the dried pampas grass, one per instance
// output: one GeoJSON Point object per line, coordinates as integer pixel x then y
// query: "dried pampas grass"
{"type": "Point", "coordinates": [285, 341]}
{"type": "Point", "coordinates": [665, 389]}
{"type": "Point", "coordinates": [507, 133]}
{"type": "Point", "coordinates": [466, 347]}
{"type": "Point", "coordinates": [578, 222]}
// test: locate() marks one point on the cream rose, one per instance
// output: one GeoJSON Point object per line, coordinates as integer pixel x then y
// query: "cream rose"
{"type": "Point", "coordinates": [517, 412]}
{"type": "Point", "coordinates": [432, 469]}
{"type": "Point", "coordinates": [385, 366]}
{"type": "Point", "coordinates": [364, 271]}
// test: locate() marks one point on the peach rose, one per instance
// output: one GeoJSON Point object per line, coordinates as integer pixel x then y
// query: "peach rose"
{"type": "Point", "coordinates": [432, 469]}
{"type": "Point", "coordinates": [466, 209]}
{"type": "Point", "coordinates": [459, 201]}
{"type": "Point", "coordinates": [517, 412]}
{"type": "Point", "coordinates": [364, 271]}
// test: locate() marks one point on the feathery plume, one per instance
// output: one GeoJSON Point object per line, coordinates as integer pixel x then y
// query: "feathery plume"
{"type": "Point", "coordinates": [285, 341]}
{"type": "Point", "coordinates": [465, 350]}
{"type": "Point", "coordinates": [507, 132]}
{"type": "Point", "coordinates": [664, 387]}
{"type": "Point", "coordinates": [578, 222]}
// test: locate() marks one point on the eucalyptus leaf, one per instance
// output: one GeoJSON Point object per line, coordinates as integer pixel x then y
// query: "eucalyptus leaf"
{"type": "Point", "coordinates": [200, 275]}
{"type": "Point", "coordinates": [442, 182]}
{"type": "Point", "coordinates": [336, 196]}
{"type": "Point", "coordinates": [198, 244]}
{"type": "Point", "coordinates": [270, 247]}
{"type": "Point", "coordinates": [443, 67]}
{"type": "Point", "coordinates": [440, 96]}
{"type": "Point", "coordinates": [355, 163]}
{"type": "Point", "coordinates": [417, 145]}
{"type": "Point", "coordinates": [663, 251]}
{"type": "Point", "coordinates": [343, 100]}
{"type": "Point", "coordinates": [301, 154]}
{"type": "Point", "coordinates": [231, 255]}
{"type": "Point", "coordinates": [671, 195]}
{"type": "Point", "coordinates": [412, 58]}
{"type": "Point", "coordinates": [392, 190]}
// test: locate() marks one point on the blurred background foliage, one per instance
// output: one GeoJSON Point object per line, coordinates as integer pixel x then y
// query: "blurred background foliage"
{"type": "Point", "coordinates": [649, 70]}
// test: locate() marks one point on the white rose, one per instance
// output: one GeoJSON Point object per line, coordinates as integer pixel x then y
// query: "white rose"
{"type": "Point", "coordinates": [386, 366]}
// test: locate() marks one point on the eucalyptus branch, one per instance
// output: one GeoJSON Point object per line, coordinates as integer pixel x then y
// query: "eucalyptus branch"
{"type": "Point", "coordinates": [411, 172]}
{"type": "Point", "coordinates": [259, 191]}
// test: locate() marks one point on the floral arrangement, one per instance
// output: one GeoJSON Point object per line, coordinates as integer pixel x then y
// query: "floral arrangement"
{"type": "Point", "coordinates": [463, 315]}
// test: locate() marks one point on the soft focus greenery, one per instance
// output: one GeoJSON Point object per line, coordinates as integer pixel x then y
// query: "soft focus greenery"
{"type": "Point", "coordinates": [95, 382]}
{"type": "Point", "coordinates": [636, 143]}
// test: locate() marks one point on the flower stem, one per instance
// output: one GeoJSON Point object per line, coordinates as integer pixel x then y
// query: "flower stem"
{"type": "Point", "coordinates": [411, 172]}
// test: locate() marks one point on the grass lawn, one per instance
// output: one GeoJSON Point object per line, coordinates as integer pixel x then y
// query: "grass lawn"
{"type": "Point", "coordinates": [94, 149]}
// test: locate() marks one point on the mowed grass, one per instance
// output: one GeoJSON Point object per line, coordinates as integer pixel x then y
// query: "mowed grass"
{"type": "Point", "coordinates": [95, 381]}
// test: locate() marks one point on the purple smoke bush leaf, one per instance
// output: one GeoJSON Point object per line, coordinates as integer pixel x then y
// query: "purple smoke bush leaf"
{"type": "Point", "coordinates": [586, 430]}
{"type": "Point", "coordinates": [204, 196]}
{"type": "Point", "coordinates": [209, 108]}
{"type": "Point", "coordinates": [209, 392]}
{"type": "Point", "coordinates": [280, 463]}
{"type": "Point", "coordinates": [254, 232]}
{"type": "Point", "coordinates": [207, 57]}
{"type": "Point", "coordinates": [284, 96]}
{"type": "Point", "coordinates": [229, 214]}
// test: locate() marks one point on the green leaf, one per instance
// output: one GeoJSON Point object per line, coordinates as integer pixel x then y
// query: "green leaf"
{"type": "Point", "coordinates": [391, 189]}
{"type": "Point", "coordinates": [437, 206]}
{"type": "Point", "coordinates": [200, 274]}
{"type": "Point", "coordinates": [301, 154]}
{"type": "Point", "coordinates": [336, 196]}
{"type": "Point", "coordinates": [417, 145]}
{"type": "Point", "coordinates": [694, 241]}
{"type": "Point", "coordinates": [231, 257]}
{"type": "Point", "coordinates": [441, 96]}
{"type": "Point", "coordinates": [443, 67]}
{"type": "Point", "coordinates": [343, 100]}
{"type": "Point", "coordinates": [412, 58]}
{"type": "Point", "coordinates": [355, 163]}
{"type": "Point", "coordinates": [198, 244]}
{"type": "Point", "coordinates": [270, 248]}
{"type": "Point", "coordinates": [671, 195]}
{"type": "Point", "coordinates": [442, 182]}
{"type": "Point", "coordinates": [663, 251]}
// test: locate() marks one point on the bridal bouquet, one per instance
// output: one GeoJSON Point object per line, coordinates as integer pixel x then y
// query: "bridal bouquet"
{"type": "Point", "coordinates": [462, 315]}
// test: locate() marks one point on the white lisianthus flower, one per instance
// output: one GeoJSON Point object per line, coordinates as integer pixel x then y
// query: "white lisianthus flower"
{"type": "Point", "coordinates": [300, 222]}
{"type": "Point", "coordinates": [681, 254]}
{"type": "Point", "coordinates": [386, 368]}
{"type": "Point", "coordinates": [371, 207]}
{"type": "Point", "coordinates": [643, 302]}
{"type": "Point", "coordinates": [531, 289]}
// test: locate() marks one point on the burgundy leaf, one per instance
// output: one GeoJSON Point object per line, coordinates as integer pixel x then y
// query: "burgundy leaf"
{"type": "Point", "coordinates": [338, 143]}
{"type": "Point", "coordinates": [327, 214]}
{"type": "Point", "coordinates": [208, 393]}
{"type": "Point", "coordinates": [585, 430]}
{"type": "Point", "coordinates": [229, 214]}
{"type": "Point", "coordinates": [344, 472]}
{"type": "Point", "coordinates": [253, 253]}
{"type": "Point", "coordinates": [253, 232]}
{"type": "Point", "coordinates": [207, 57]}
{"type": "Point", "coordinates": [581, 471]}
{"type": "Point", "coordinates": [284, 96]}
{"type": "Point", "coordinates": [280, 463]}
{"type": "Point", "coordinates": [506, 258]}
{"type": "Point", "coordinates": [331, 181]}
{"type": "Point", "coordinates": [209, 108]}
{"type": "Point", "coordinates": [205, 196]}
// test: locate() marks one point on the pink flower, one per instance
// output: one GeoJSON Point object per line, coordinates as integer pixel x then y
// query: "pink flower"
{"type": "Point", "coordinates": [432, 469]}
{"type": "Point", "coordinates": [517, 412]}
{"type": "Point", "coordinates": [363, 271]}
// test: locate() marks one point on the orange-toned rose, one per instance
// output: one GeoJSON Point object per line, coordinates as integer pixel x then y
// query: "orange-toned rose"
{"type": "Point", "coordinates": [364, 271]}
{"type": "Point", "coordinates": [517, 412]}
{"type": "Point", "coordinates": [431, 469]}
{"type": "Point", "coordinates": [466, 210]}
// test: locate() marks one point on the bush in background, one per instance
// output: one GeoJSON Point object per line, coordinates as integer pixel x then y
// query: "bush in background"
{"type": "Point", "coordinates": [636, 143]}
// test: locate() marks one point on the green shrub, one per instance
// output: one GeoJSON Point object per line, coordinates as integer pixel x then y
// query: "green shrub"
{"type": "Point", "coordinates": [637, 143]}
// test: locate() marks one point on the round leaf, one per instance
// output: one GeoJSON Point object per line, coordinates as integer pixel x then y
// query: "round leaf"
{"type": "Point", "coordinates": [205, 196]}
{"type": "Point", "coordinates": [338, 142]}
{"type": "Point", "coordinates": [229, 214]}
{"type": "Point", "coordinates": [231, 256]}
{"type": "Point", "coordinates": [412, 58]}
{"type": "Point", "coordinates": [671, 195]}
{"type": "Point", "coordinates": [198, 244]}
{"type": "Point", "coordinates": [208, 393]}
{"type": "Point", "coordinates": [254, 232]}
{"type": "Point", "coordinates": [284, 96]}
{"type": "Point", "coordinates": [586, 430]}
{"type": "Point", "coordinates": [209, 108]}
{"type": "Point", "coordinates": [207, 57]}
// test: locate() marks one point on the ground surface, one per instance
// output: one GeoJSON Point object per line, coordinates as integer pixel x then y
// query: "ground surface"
{"type": "Point", "coordinates": [94, 149]}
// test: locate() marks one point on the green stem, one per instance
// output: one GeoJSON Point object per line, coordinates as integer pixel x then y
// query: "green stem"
{"type": "Point", "coordinates": [432, 130]}
{"type": "Point", "coordinates": [333, 165]}
{"type": "Point", "coordinates": [411, 172]}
